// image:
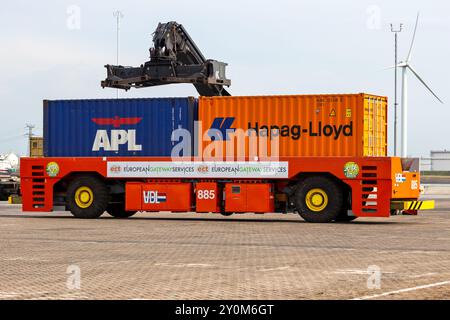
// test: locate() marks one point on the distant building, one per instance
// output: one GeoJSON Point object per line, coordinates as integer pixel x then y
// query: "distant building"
{"type": "Point", "coordinates": [12, 159]}
{"type": "Point", "coordinates": [440, 160]}
{"type": "Point", "coordinates": [5, 170]}
{"type": "Point", "coordinates": [36, 147]}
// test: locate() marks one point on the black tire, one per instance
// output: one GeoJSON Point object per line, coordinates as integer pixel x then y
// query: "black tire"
{"type": "Point", "coordinates": [333, 206]}
{"type": "Point", "coordinates": [100, 197]}
{"type": "Point", "coordinates": [117, 210]}
{"type": "Point", "coordinates": [226, 214]}
{"type": "Point", "coordinates": [3, 195]}
{"type": "Point", "coordinates": [344, 217]}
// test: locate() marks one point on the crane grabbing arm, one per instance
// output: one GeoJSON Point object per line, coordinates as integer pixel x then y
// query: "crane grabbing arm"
{"type": "Point", "coordinates": [174, 59]}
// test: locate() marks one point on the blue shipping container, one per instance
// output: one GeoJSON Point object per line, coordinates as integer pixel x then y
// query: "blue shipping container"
{"type": "Point", "coordinates": [115, 127]}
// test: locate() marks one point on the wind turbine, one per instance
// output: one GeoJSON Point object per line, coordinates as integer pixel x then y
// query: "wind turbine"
{"type": "Point", "coordinates": [404, 106]}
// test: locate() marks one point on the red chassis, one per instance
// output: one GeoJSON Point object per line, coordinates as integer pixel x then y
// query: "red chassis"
{"type": "Point", "coordinates": [375, 185]}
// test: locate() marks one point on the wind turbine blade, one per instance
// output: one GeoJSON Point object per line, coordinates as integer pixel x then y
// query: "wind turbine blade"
{"type": "Point", "coordinates": [423, 82]}
{"type": "Point", "coordinates": [413, 38]}
{"type": "Point", "coordinates": [399, 65]}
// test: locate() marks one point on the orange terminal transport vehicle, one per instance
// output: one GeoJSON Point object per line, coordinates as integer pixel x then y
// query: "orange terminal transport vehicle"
{"type": "Point", "coordinates": [321, 156]}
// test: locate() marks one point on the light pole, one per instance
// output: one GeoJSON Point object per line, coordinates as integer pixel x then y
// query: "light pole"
{"type": "Point", "coordinates": [118, 15]}
{"type": "Point", "coordinates": [395, 31]}
{"type": "Point", "coordinates": [30, 128]}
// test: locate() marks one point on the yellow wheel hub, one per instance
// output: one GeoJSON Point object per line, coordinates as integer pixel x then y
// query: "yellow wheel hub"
{"type": "Point", "coordinates": [316, 200]}
{"type": "Point", "coordinates": [84, 197]}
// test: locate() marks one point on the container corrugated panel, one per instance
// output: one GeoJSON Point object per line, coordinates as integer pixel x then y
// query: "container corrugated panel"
{"type": "Point", "coordinates": [308, 125]}
{"type": "Point", "coordinates": [115, 127]}
{"type": "Point", "coordinates": [375, 126]}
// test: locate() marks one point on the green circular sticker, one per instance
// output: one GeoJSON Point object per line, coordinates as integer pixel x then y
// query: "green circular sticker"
{"type": "Point", "coordinates": [52, 169]}
{"type": "Point", "coordinates": [351, 170]}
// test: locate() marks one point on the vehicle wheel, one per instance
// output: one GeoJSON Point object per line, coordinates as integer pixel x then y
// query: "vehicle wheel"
{"type": "Point", "coordinates": [394, 212]}
{"type": "Point", "coordinates": [117, 210]}
{"type": "Point", "coordinates": [344, 217]}
{"type": "Point", "coordinates": [87, 197]}
{"type": "Point", "coordinates": [226, 214]}
{"type": "Point", "coordinates": [3, 195]}
{"type": "Point", "coordinates": [318, 199]}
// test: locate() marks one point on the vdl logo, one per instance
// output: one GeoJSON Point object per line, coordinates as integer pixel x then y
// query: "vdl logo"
{"type": "Point", "coordinates": [111, 141]}
{"type": "Point", "coordinates": [154, 197]}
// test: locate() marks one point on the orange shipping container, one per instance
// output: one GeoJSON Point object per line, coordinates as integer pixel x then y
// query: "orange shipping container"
{"type": "Point", "coordinates": [305, 125]}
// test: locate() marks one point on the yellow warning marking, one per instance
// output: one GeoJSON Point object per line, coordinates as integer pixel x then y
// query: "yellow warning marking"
{"type": "Point", "coordinates": [413, 205]}
{"type": "Point", "coordinates": [348, 113]}
{"type": "Point", "coordinates": [333, 113]}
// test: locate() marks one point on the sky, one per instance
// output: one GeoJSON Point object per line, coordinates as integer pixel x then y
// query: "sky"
{"type": "Point", "coordinates": [57, 49]}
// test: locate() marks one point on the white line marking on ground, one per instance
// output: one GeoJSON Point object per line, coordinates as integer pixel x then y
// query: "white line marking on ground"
{"type": "Point", "coordinates": [437, 284]}
{"type": "Point", "coordinates": [356, 271]}
{"type": "Point", "coordinates": [116, 262]}
{"type": "Point", "coordinates": [423, 275]}
{"type": "Point", "coordinates": [181, 265]}
{"type": "Point", "coordinates": [25, 259]}
{"type": "Point", "coordinates": [8, 295]}
{"type": "Point", "coordinates": [277, 269]}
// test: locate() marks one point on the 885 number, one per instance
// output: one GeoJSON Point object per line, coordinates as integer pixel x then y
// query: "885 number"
{"type": "Point", "coordinates": [206, 194]}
